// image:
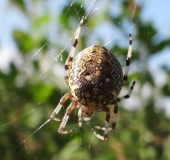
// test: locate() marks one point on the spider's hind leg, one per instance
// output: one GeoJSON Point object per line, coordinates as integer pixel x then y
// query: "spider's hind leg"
{"type": "Point", "coordinates": [107, 128]}
{"type": "Point", "coordinates": [129, 54]}
{"type": "Point", "coordinates": [71, 54]}
{"type": "Point", "coordinates": [127, 95]}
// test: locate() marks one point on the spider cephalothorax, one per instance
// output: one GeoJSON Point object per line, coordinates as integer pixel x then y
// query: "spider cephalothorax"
{"type": "Point", "coordinates": [95, 78]}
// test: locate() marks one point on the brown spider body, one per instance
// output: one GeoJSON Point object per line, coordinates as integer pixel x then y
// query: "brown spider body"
{"type": "Point", "coordinates": [95, 78]}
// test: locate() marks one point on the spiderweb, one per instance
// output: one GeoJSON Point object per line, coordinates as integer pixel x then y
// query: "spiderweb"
{"type": "Point", "coordinates": [33, 78]}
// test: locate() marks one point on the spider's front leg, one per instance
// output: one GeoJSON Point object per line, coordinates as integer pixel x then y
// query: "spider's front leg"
{"type": "Point", "coordinates": [60, 104]}
{"type": "Point", "coordinates": [67, 114]}
{"type": "Point", "coordinates": [61, 130]}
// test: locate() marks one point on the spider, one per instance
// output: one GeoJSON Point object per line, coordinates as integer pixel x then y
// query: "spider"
{"type": "Point", "coordinates": [95, 79]}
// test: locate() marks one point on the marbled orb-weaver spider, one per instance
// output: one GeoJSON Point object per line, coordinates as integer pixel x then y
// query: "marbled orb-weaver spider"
{"type": "Point", "coordinates": [95, 78]}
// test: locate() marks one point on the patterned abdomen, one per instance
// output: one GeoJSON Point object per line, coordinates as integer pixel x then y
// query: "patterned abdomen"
{"type": "Point", "coordinates": [95, 78]}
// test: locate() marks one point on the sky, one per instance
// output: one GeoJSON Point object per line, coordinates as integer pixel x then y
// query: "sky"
{"type": "Point", "coordinates": [159, 13]}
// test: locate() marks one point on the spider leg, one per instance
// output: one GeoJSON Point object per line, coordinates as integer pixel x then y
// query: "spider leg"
{"type": "Point", "coordinates": [80, 117]}
{"type": "Point", "coordinates": [127, 95]}
{"type": "Point", "coordinates": [84, 117]}
{"type": "Point", "coordinates": [58, 108]}
{"type": "Point", "coordinates": [115, 115]}
{"type": "Point", "coordinates": [106, 128]}
{"type": "Point", "coordinates": [87, 117]}
{"type": "Point", "coordinates": [67, 114]}
{"type": "Point", "coordinates": [125, 77]}
{"type": "Point", "coordinates": [71, 54]}
{"type": "Point", "coordinates": [66, 117]}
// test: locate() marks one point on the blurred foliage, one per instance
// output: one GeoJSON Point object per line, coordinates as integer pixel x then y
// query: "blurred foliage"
{"type": "Point", "coordinates": [30, 92]}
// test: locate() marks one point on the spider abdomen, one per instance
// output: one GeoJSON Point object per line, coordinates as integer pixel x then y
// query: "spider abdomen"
{"type": "Point", "coordinates": [95, 77]}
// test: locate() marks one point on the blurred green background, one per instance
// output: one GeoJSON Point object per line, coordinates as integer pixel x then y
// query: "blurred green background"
{"type": "Point", "coordinates": [32, 79]}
